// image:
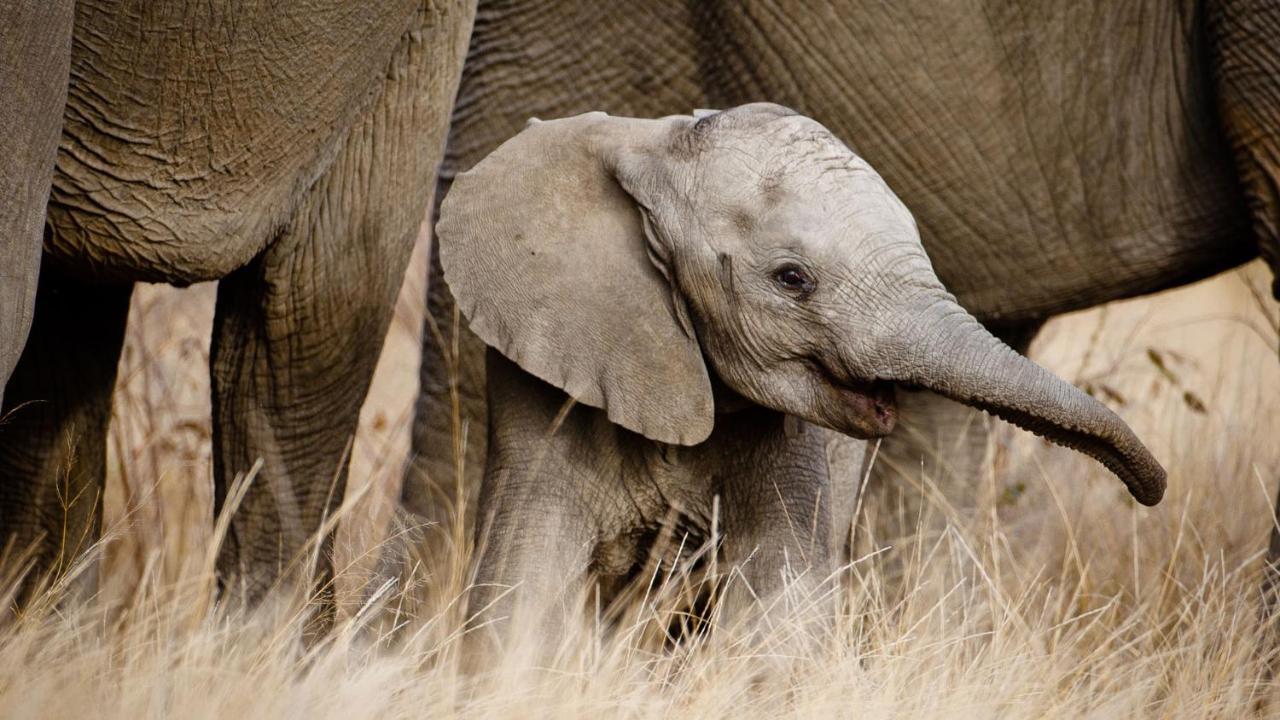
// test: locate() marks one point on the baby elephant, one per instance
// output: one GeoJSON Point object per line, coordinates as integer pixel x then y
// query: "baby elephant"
{"type": "Point", "coordinates": [682, 309]}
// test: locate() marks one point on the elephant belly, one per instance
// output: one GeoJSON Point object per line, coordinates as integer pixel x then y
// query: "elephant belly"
{"type": "Point", "coordinates": [192, 128]}
{"type": "Point", "coordinates": [1055, 155]}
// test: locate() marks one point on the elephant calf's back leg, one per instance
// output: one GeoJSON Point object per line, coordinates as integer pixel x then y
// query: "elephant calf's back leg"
{"type": "Point", "coordinates": [297, 332]}
{"type": "Point", "coordinates": [54, 421]}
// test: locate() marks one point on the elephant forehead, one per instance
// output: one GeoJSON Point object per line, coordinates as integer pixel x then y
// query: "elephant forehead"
{"type": "Point", "coordinates": [754, 179]}
{"type": "Point", "coordinates": [833, 229]}
{"type": "Point", "coordinates": [826, 199]}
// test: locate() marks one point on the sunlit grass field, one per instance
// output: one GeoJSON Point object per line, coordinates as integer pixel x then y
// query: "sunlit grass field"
{"type": "Point", "coordinates": [1059, 597]}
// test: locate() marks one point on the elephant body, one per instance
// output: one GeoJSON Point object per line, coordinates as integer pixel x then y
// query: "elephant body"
{"type": "Point", "coordinates": [1055, 156]}
{"type": "Point", "coordinates": [286, 150]}
{"type": "Point", "coordinates": [680, 311]}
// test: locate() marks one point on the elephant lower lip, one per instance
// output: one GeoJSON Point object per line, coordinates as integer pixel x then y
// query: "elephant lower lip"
{"type": "Point", "coordinates": [875, 409]}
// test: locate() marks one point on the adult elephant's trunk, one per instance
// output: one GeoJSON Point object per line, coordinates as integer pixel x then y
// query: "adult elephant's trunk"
{"type": "Point", "coordinates": [944, 349]}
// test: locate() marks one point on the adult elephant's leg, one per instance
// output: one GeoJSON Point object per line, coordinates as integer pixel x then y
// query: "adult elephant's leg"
{"type": "Point", "coordinates": [847, 460]}
{"type": "Point", "coordinates": [928, 472]}
{"type": "Point", "coordinates": [1245, 59]}
{"type": "Point", "coordinates": [450, 434]}
{"type": "Point", "coordinates": [35, 52]}
{"type": "Point", "coordinates": [298, 331]}
{"type": "Point", "coordinates": [56, 412]}
{"type": "Point", "coordinates": [1246, 67]}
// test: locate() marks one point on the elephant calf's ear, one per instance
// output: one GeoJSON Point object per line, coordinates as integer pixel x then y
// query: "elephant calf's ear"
{"type": "Point", "coordinates": [546, 255]}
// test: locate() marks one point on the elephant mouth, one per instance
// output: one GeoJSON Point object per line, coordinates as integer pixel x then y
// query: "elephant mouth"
{"type": "Point", "coordinates": [868, 408]}
{"type": "Point", "coordinates": [875, 409]}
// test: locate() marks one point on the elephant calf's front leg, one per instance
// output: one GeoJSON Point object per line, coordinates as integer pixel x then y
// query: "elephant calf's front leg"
{"type": "Point", "coordinates": [535, 544]}
{"type": "Point", "coordinates": [536, 531]}
{"type": "Point", "coordinates": [777, 521]}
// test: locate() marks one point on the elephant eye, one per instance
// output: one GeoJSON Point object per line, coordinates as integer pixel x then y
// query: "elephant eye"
{"type": "Point", "coordinates": [794, 280]}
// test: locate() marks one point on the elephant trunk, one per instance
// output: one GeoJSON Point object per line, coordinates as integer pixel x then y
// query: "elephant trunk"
{"type": "Point", "coordinates": [946, 350]}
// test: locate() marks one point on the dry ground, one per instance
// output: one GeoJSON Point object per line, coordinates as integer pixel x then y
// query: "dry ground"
{"type": "Point", "coordinates": [1064, 599]}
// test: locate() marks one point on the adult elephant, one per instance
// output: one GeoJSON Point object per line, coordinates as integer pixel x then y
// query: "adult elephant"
{"type": "Point", "coordinates": [1056, 155]}
{"type": "Point", "coordinates": [289, 151]}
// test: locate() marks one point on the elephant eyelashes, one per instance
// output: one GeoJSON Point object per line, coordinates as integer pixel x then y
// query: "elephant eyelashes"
{"type": "Point", "coordinates": [795, 281]}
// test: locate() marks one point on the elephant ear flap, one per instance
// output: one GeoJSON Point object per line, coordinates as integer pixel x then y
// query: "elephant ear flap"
{"type": "Point", "coordinates": [546, 255]}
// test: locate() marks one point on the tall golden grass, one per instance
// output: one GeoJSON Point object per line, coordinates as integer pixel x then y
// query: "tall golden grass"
{"type": "Point", "coordinates": [1061, 598]}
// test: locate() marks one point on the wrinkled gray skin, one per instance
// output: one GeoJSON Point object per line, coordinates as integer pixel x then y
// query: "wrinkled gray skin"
{"type": "Point", "coordinates": [34, 85]}
{"type": "Point", "coordinates": [715, 295]}
{"type": "Point", "coordinates": [1055, 155]}
{"type": "Point", "coordinates": [287, 150]}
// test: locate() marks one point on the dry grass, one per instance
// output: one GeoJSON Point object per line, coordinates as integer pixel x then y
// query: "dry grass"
{"type": "Point", "coordinates": [1061, 599]}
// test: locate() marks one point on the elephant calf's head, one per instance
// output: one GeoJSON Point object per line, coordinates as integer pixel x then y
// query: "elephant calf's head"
{"type": "Point", "coordinates": [615, 257]}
